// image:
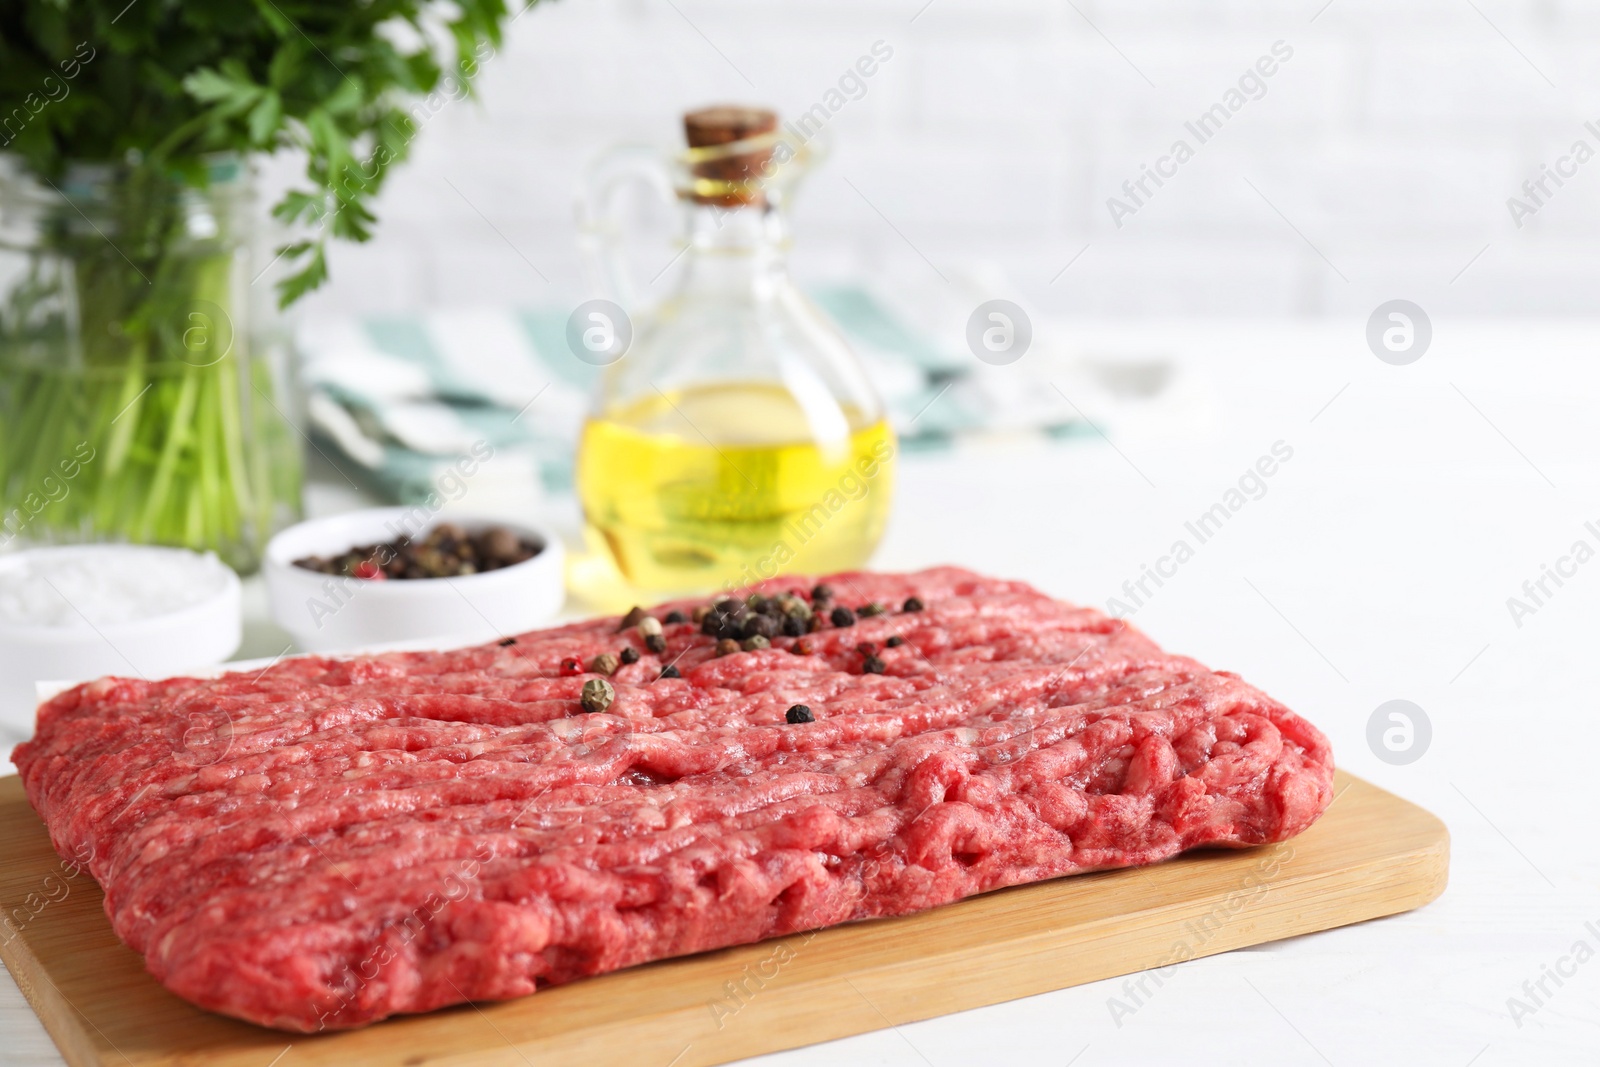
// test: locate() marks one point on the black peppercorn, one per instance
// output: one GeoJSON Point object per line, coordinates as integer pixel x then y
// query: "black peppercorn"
{"type": "Point", "coordinates": [798, 714]}
{"type": "Point", "coordinates": [506, 641]}
{"type": "Point", "coordinates": [630, 655]}
{"type": "Point", "coordinates": [911, 604]}
{"type": "Point", "coordinates": [674, 617]}
{"type": "Point", "coordinates": [670, 671]}
{"type": "Point", "coordinates": [842, 616]}
{"type": "Point", "coordinates": [793, 626]}
{"type": "Point", "coordinates": [821, 592]}
{"type": "Point", "coordinates": [723, 622]}
{"type": "Point", "coordinates": [896, 641]}
{"type": "Point", "coordinates": [728, 606]}
{"type": "Point", "coordinates": [656, 643]}
{"type": "Point", "coordinates": [869, 610]}
{"type": "Point", "coordinates": [872, 665]}
{"type": "Point", "coordinates": [759, 626]}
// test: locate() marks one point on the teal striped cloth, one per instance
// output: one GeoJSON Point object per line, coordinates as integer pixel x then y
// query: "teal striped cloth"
{"type": "Point", "coordinates": [394, 399]}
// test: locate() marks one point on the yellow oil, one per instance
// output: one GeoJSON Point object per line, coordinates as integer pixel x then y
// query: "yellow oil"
{"type": "Point", "coordinates": [727, 483]}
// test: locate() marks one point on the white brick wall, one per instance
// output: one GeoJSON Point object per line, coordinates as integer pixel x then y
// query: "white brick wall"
{"type": "Point", "coordinates": [1391, 141]}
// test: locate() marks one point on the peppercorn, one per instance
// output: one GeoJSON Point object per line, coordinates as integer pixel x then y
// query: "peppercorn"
{"type": "Point", "coordinates": [604, 663]}
{"type": "Point", "coordinates": [869, 610]}
{"type": "Point", "coordinates": [798, 714]}
{"type": "Point", "coordinates": [632, 618]}
{"type": "Point", "coordinates": [500, 544]}
{"type": "Point", "coordinates": [670, 671]}
{"type": "Point", "coordinates": [813, 624]}
{"type": "Point", "coordinates": [755, 602]}
{"type": "Point", "coordinates": [866, 648]}
{"type": "Point", "coordinates": [630, 655]}
{"type": "Point", "coordinates": [727, 646]}
{"type": "Point", "coordinates": [760, 626]}
{"type": "Point", "coordinates": [655, 643]}
{"type": "Point", "coordinates": [506, 642]}
{"type": "Point", "coordinates": [649, 626]}
{"type": "Point", "coordinates": [674, 617]}
{"type": "Point", "coordinates": [445, 552]}
{"type": "Point", "coordinates": [802, 647]}
{"type": "Point", "coordinates": [821, 592]}
{"type": "Point", "coordinates": [571, 666]}
{"type": "Point", "coordinates": [872, 665]}
{"type": "Point", "coordinates": [597, 695]}
{"type": "Point", "coordinates": [773, 607]}
{"type": "Point", "coordinates": [911, 604]}
{"type": "Point", "coordinates": [794, 626]}
{"type": "Point", "coordinates": [797, 608]}
{"type": "Point", "coordinates": [700, 612]}
{"type": "Point", "coordinates": [896, 641]}
{"type": "Point", "coordinates": [755, 643]}
{"type": "Point", "coordinates": [723, 620]}
{"type": "Point", "coordinates": [842, 616]}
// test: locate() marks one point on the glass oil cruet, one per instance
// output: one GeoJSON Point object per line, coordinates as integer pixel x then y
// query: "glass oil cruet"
{"type": "Point", "coordinates": [737, 437]}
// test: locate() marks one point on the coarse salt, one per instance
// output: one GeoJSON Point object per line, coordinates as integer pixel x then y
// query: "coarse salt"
{"type": "Point", "coordinates": [100, 585]}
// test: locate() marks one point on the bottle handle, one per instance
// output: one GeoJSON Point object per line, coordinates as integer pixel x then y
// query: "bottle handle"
{"type": "Point", "coordinates": [601, 200]}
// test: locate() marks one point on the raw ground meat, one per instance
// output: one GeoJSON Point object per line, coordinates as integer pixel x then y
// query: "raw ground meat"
{"type": "Point", "coordinates": [334, 841]}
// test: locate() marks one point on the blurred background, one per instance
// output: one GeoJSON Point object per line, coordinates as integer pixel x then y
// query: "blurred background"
{"type": "Point", "coordinates": [1378, 159]}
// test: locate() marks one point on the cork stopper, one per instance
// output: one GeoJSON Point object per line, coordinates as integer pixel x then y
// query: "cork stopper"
{"type": "Point", "coordinates": [727, 170]}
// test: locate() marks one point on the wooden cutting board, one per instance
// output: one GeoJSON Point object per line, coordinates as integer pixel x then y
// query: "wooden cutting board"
{"type": "Point", "coordinates": [1372, 854]}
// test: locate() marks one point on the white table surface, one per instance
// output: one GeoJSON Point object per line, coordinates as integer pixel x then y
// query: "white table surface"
{"type": "Point", "coordinates": [1377, 566]}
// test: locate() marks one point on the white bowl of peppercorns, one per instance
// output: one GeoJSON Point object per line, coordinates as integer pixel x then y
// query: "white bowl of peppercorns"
{"type": "Point", "coordinates": [385, 575]}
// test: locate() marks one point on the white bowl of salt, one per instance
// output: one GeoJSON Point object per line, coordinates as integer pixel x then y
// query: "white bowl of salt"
{"type": "Point", "coordinates": [78, 612]}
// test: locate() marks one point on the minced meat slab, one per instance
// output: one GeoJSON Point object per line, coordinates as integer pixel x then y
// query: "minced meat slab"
{"type": "Point", "coordinates": [330, 842]}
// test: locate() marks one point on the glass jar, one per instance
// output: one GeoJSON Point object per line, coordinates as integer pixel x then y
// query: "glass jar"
{"type": "Point", "coordinates": [737, 436]}
{"type": "Point", "coordinates": [144, 387]}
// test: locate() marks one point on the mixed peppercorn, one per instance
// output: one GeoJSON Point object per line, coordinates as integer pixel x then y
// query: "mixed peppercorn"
{"type": "Point", "coordinates": [447, 551]}
{"type": "Point", "coordinates": [738, 625]}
